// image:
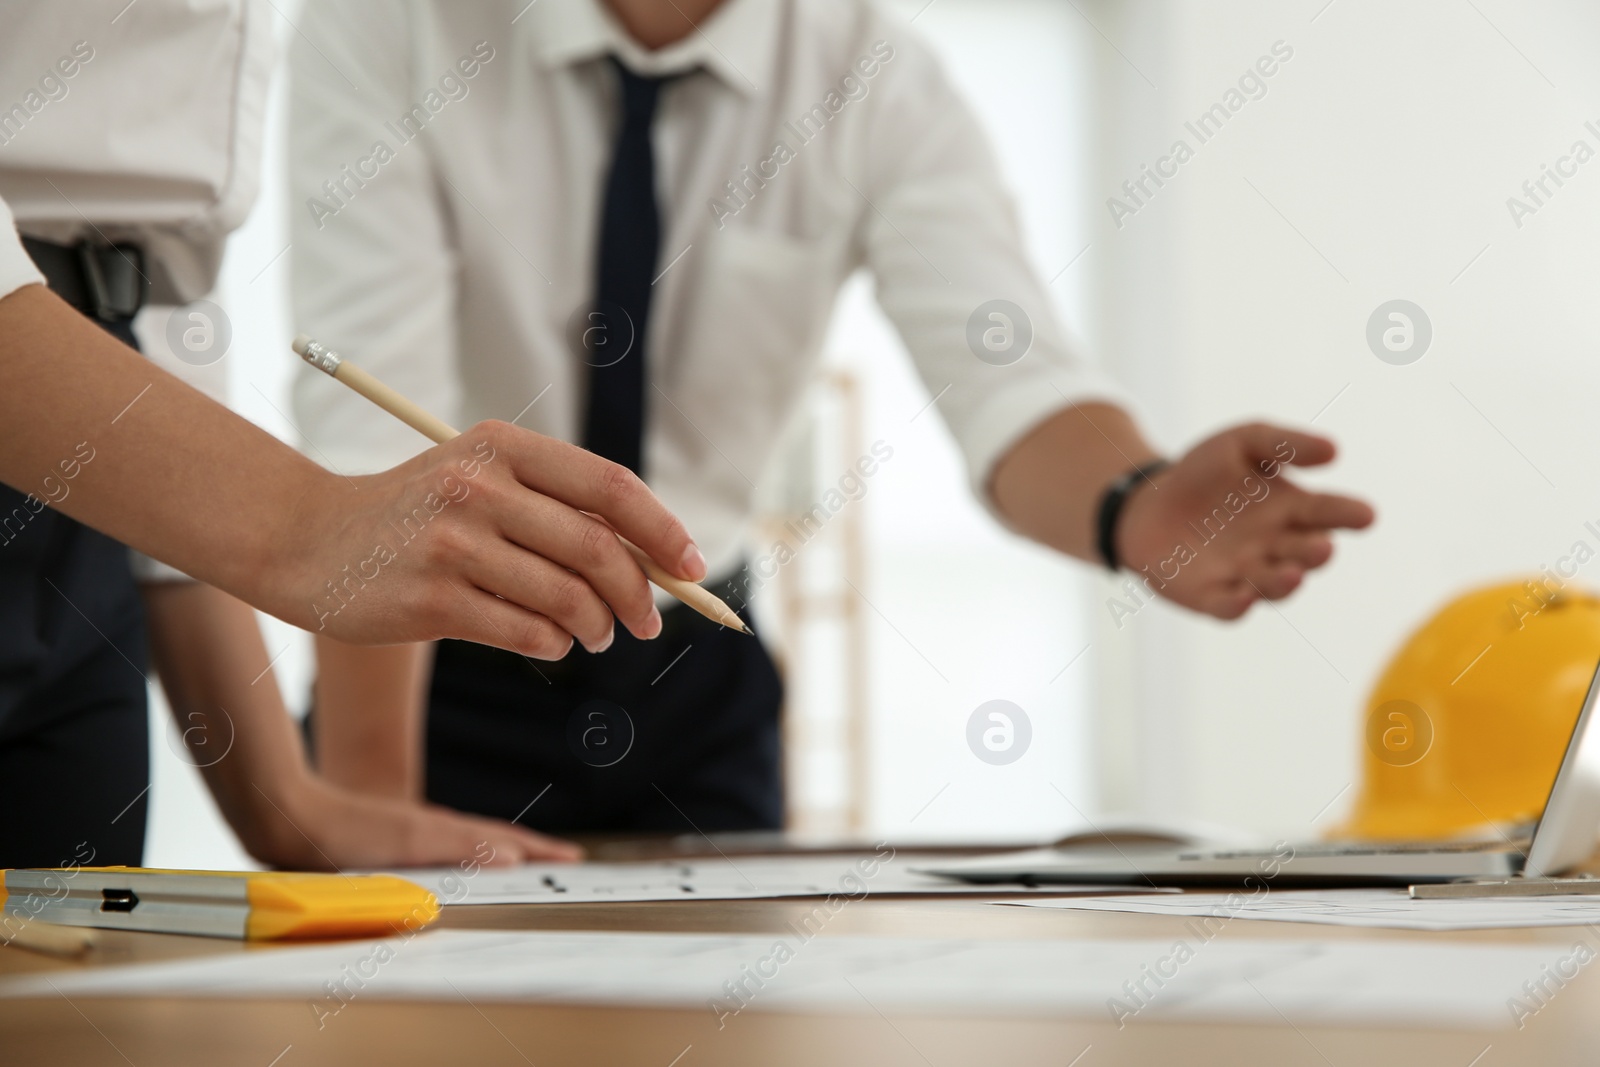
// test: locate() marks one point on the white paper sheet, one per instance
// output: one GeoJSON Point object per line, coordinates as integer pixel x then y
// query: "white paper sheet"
{"type": "Point", "coordinates": [1391, 908]}
{"type": "Point", "coordinates": [1399, 982]}
{"type": "Point", "coordinates": [734, 878]}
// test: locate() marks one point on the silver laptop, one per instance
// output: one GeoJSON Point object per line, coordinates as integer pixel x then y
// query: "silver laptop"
{"type": "Point", "coordinates": [1563, 837]}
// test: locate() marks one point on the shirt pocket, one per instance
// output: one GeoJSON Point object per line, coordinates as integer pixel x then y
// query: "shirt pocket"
{"type": "Point", "coordinates": [752, 331]}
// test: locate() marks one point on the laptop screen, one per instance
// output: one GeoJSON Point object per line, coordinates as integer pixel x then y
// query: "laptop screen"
{"type": "Point", "coordinates": [1565, 833]}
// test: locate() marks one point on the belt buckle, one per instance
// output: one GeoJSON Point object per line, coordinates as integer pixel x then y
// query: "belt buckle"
{"type": "Point", "coordinates": [114, 276]}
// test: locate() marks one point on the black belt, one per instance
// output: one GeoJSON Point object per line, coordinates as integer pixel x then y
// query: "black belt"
{"type": "Point", "coordinates": [107, 281]}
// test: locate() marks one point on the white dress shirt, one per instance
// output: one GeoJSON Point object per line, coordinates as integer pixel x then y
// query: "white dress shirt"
{"type": "Point", "coordinates": [133, 122]}
{"type": "Point", "coordinates": [16, 269]}
{"type": "Point", "coordinates": [451, 263]}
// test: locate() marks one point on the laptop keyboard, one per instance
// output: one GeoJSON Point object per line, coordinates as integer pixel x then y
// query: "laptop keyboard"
{"type": "Point", "coordinates": [1363, 848]}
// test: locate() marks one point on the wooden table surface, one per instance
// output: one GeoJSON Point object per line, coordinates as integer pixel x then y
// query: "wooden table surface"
{"type": "Point", "coordinates": [285, 1033]}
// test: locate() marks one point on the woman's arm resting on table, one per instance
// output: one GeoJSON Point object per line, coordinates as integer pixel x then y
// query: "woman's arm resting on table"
{"type": "Point", "coordinates": [371, 713]}
{"type": "Point", "coordinates": [488, 538]}
{"type": "Point", "coordinates": [214, 669]}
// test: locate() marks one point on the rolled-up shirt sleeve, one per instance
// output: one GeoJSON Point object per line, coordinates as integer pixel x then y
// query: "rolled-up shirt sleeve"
{"type": "Point", "coordinates": [943, 242]}
{"type": "Point", "coordinates": [16, 269]}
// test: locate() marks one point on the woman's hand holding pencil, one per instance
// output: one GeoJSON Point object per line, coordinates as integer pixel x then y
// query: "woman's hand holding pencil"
{"type": "Point", "coordinates": [540, 541]}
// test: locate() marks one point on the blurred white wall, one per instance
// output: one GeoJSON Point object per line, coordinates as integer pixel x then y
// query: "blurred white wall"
{"type": "Point", "coordinates": [963, 612]}
{"type": "Point", "coordinates": [1377, 166]}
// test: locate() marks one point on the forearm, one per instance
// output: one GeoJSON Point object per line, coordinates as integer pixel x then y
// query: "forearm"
{"type": "Point", "coordinates": [370, 704]}
{"type": "Point", "coordinates": [207, 649]}
{"type": "Point", "coordinates": [107, 438]}
{"type": "Point", "coordinates": [1050, 484]}
{"type": "Point", "coordinates": [519, 547]}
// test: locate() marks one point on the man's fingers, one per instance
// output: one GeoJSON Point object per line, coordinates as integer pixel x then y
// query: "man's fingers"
{"type": "Point", "coordinates": [586, 482]}
{"type": "Point", "coordinates": [1277, 581]}
{"type": "Point", "coordinates": [1266, 443]}
{"type": "Point", "coordinates": [1329, 511]}
{"type": "Point", "coordinates": [1229, 601]}
{"type": "Point", "coordinates": [1309, 550]}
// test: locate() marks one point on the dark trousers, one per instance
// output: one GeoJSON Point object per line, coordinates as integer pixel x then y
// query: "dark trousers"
{"type": "Point", "coordinates": [672, 735]}
{"type": "Point", "coordinates": [74, 747]}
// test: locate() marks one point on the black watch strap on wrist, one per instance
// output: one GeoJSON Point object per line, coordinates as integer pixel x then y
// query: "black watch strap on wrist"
{"type": "Point", "coordinates": [1111, 503]}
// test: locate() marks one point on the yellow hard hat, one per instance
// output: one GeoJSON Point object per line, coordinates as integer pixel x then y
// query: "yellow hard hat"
{"type": "Point", "coordinates": [1468, 723]}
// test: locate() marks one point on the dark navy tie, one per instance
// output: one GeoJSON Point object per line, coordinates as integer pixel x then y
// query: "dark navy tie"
{"type": "Point", "coordinates": [613, 338]}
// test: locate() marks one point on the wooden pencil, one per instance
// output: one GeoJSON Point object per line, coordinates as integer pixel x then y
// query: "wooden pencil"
{"type": "Point", "coordinates": [435, 429]}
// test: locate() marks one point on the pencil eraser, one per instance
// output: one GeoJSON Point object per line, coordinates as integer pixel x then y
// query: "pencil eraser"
{"type": "Point", "coordinates": [301, 343]}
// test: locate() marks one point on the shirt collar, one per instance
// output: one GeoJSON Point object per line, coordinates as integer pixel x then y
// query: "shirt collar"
{"type": "Point", "coordinates": [736, 43]}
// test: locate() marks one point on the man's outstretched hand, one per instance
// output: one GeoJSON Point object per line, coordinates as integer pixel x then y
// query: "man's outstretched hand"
{"type": "Point", "coordinates": [1224, 527]}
